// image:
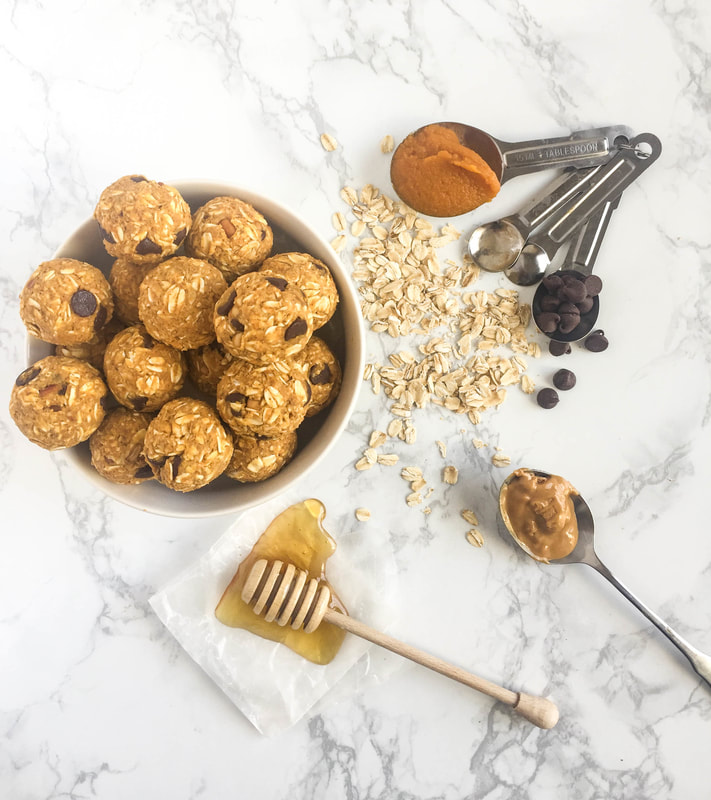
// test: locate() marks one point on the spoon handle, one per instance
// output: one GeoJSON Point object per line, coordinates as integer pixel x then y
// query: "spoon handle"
{"type": "Point", "coordinates": [699, 661]}
{"type": "Point", "coordinates": [583, 252]}
{"type": "Point", "coordinates": [559, 191]}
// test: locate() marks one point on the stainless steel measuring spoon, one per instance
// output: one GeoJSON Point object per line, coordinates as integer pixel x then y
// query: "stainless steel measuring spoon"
{"type": "Point", "coordinates": [606, 184]}
{"type": "Point", "coordinates": [495, 246]}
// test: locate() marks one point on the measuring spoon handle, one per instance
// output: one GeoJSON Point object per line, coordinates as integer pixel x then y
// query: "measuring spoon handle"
{"type": "Point", "coordinates": [699, 661]}
{"type": "Point", "coordinates": [587, 148]}
{"type": "Point", "coordinates": [559, 191]}
{"type": "Point", "coordinates": [583, 252]}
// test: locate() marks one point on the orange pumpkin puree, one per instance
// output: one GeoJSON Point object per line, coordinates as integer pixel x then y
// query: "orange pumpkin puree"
{"type": "Point", "coordinates": [437, 175]}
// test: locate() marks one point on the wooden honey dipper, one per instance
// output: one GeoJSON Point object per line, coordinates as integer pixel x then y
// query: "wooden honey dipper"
{"type": "Point", "coordinates": [290, 597]}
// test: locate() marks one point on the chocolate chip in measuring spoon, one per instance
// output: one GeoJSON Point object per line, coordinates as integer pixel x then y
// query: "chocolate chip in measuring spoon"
{"type": "Point", "coordinates": [83, 303]}
{"type": "Point", "coordinates": [593, 285]}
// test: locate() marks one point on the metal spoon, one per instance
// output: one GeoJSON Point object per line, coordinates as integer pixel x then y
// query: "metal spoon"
{"type": "Point", "coordinates": [606, 184]}
{"type": "Point", "coordinates": [495, 246]}
{"type": "Point", "coordinates": [584, 553]}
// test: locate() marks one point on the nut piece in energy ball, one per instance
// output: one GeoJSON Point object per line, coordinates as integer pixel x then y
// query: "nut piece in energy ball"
{"type": "Point", "coordinates": [66, 301]}
{"type": "Point", "coordinates": [177, 299]}
{"type": "Point", "coordinates": [313, 278]}
{"type": "Point", "coordinates": [93, 350]}
{"type": "Point", "coordinates": [125, 279]}
{"type": "Point", "coordinates": [58, 402]}
{"type": "Point", "coordinates": [230, 234]}
{"type": "Point", "coordinates": [117, 447]}
{"type": "Point", "coordinates": [206, 365]}
{"type": "Point", "coordinates": [142, 374]}
{"type": "Point", "coordinates": [323, 373]}
{"type": "Point", "coordinates": [266, 400]}
{"type": "Point", "coordinates": [263, 317]}
{"type": "Point", "coordinates": [187, 445]}
{"type": "Point", "coordinates": [256, 458]}
{"type": "Point", "coordinates": [143, 221]}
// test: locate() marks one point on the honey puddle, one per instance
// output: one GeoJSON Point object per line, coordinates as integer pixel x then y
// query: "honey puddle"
{"type": "Point", "coordinates": [296, 535]}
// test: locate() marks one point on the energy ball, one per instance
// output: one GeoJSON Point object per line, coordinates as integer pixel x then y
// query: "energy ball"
{"type": "Point", "coordinates": [323, 373]}
{"type": "Point", "coordinates": [177, 299]}
{"type": "Point", "coordinates": [66, 301]}
{"type": "Point", "coordinates": [117, 447]}
{"type": "Point", "coordinates": [258, 458]}
{"type": "Point", "coordinates": [266, 400]}
{"type": "Point", "coordinates": [314, 279]}
{"type": "Point", "coordinates": [125, 279]}
{"type": "Point", "coordinates": [206, 365]}
{"type": "Point", "coordinates": [58, 402]}
{"type": "Point", "coordinates": [262, 318]}
{"type": "Point", "coordinates": [141, 220]}
{"type": "Point", "coordinates": [93, 350]}
{"type": "Point", "coordinates": [187, 445]}
{"type": "Point", "coordinates": [230, 234]}
{"type": "Point", "coordinates": [143, 374]}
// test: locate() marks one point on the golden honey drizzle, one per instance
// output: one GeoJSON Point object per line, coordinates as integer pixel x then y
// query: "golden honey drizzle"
{"type": "Point", "coordinates": [295, 536]}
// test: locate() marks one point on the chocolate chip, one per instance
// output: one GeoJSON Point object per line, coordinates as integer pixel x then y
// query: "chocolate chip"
{"type": "Point", "coordinates": [320, 377]}
{"type": "Point", "coordinates": [139, 403]}
{"type": "Point", "coordinates": [138, 178]}
{"type": "Point", "coordinates": [224, 308]}
{"type": "Point", "coordinates": [574, 291]}
{"type": "Point", "coordinates": [236, 397]}
{"type": "Point", "coordinates": [585, 305]}
{"type": "Point", "coordinates": [547, 398]}
{"type": "Point", "coordinates": [62, 390]}
{"type": "Point", "coordinates": [227, 227]}
{"type": "Point", "coordinates": [568, 322]}
{"type": "Point", "coordinates": [100, 318]}
{"type": "Point", "coordinates": [27, 375]}
{"type": "Point", "coordinates": [593, 285]}
{"type": "Point", "coordinates": [309, 393]}
{"type": "Point", "coordinates": [558, 348]}
{"type": "Point", "coordinates": [104, 402]}
{"type": "Point", "coordinates": [83, 303]}
{"type": "Point", "coordinates": [548, 321]}
{"type": "Point", "coordinates": [596, 342]}
{"type": "Point", "coordinates": [549, 302]}
{"type": "Point", "coordinates": [180, 235]}
{"type": "Point", "coordinates": [297, 328]}
{"type": "Point", "coordinates": [107, 236]}
{"type": "Point", "coordinates": [237, 325]}
{"type": "Point", "coordinates": [280, 283]}
{"type": "Point", "coordinates": [147, 341]}
{"type": "Point", "coordinates": [553, 283]}
{"type": "Point", "coordinates": [564, 380]}
{"type": "Point", "coordinates": [157, 463]}
{"type": "Point", "coordinates": [55, 408]}
{"type": "Point", "coordinates": [175, 466]}
{"type": "Point", "coordinates": [143, 472]}
{"type": "Point", "coordinates": [264, 235]}
{"type": "Point", "coordinates": [147, 247]}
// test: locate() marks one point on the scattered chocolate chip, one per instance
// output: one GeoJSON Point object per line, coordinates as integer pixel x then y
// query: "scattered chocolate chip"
{"type": "Point", "coordinates": [143, 472]}
{"type": "Point", "coordinates": [139, 403]}
{"type": "Point", "coordinates": [547, 398]}
{"type": "Point", "coordinates": [100, 318]}
{"type": "Point", "coordinates": [147, 247]}
{"type": "Point", "coordinates": [224, 308]}
{"type": "Point", "coordinates": [596, 342]}
{"type": "Point", "coordinates": [227, 227]}
{"type": "Point", "coordinates": [138, 178]}
{"type": "Point", "coordinates": [107, 236]}
{"type": "Point", "coordinates": [236, 397]}
{"type": "Point", "coordinates": [280, 283]}
{"type": "Point", "coordinates": [564, 380]}
{"type": "Point", "coordinates": [319, 377]}
{"type": "Point", "coordinates": [558, 348]}
{"type": "Point", "coordinates": [180, 235]}
{"type": "Point", "coordinates": [83, 303]}
{"type": "Point", "coordinates": [297, 328]}
{"type": "Point", "coordinates": [593, 285]}
{"type": "Point", "coordinates": [175, 466]}
{"type": "Point", "coordinates": [27, 375]}
{"type": "Point", "coordinates": [548, 321]}
{"type": "Point", "coordinates": [237, 325]}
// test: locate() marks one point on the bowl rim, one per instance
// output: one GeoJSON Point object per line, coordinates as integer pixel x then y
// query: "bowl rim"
{"type": "Point", "coordinates": [354, 340]}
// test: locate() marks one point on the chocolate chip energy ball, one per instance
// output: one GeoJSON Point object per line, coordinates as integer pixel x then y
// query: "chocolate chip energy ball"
{"type": "Point", "coordinates": [263, 317]}
{"type": "Point", "coordinates": [143, 374]}
{"type": "Point", "coordinates": [58, 402]}
{"type": "Point", "coordinates": [323, 373]}
{"type": "Point", "coordinates": [125, 279]}
{"type": "Point", "coordinates": [256, 458]}
{"type": "Point", "coordinates": [93, 350]}
{"type": "Point", "coordinates": [117, 447]}
{"type": "Point", "coordinates": [263, 400]}
{"type": "Point", "coordinates": [177, 299]}
{"type": "Point", "coordinates": [141, 220]}
{"type": "Point", "coordinates": [314, 279]}
{"type": "Point", "coordinates": [187, 445]}
{"type": "Point", "coordinates": [66, 301]}
{"type": "Point", "coordinates": [206, 365]}
{"type": "Point", "coordinates": [230, 234]}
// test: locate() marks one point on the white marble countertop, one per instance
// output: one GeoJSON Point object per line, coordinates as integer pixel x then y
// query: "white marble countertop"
{"type": "Point", "coordinates": [96, 697]}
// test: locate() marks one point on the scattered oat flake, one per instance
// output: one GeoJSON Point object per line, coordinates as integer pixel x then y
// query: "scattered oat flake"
{"type": "Point", "coordinates": [328, 142]}
{"type": "Point", "coordinates": [478, 443]}
{"type": "Point", "coordinates": [377, 438]}
{"type": "Point", "coordinates": [413, 499]}
{"type": "Point", "coordinates": [362, 464]}
{"type": "Point", "coordinates": [475, 538]}
{"type": "Point", "coordinates": [500, 460]}
{"type": "Point", "coordinates": [338, 243]}
{"type": "Point", "coordinates": [426, 510]}
{"type": "Point", "coordinates": [450, 475]}
{"type": "Point", "coordinates": [411, 473]}
{"type": "Point", "coordinates": [387, 144]}
{"type": "Point", "coordinates": [362, 514]}
{"type": "Point", "coordinates": [470, 516]}
{"type": "Point", "coordinates": [388, 459]}
{"type": "Point", "coordinates": [442, 448]}
{"type": "Point", "coordinates": [338, 221]}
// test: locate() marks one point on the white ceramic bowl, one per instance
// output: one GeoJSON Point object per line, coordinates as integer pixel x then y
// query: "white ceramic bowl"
{"type": "Point", "coordinates": [344, 333]}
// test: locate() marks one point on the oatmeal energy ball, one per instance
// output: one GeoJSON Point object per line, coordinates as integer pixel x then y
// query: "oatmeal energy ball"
{"type": "Point", "coordinates": [141, 220]}
{"type": "Point", "coordinates": [58, 402]}
{"type": "Point", "coordinates": [263, 317]}
{"type": "Point", "coordinates": [313, 278]}
{"type": "Point", "coordinates": [66, 301]}
{"type": "Point", "coordinates": [142, 374]}
{"type": "Point", "coordinates": [117, 447]}
{"type": "Point", "coordinates": [256, 458]}
{"type": "Point", "coordinates": [206, 365]}
{"type": "Point", "coordinates": [266, 400]}
{"type": "Point", "coordinates": [93, 350]}
{"type": "Point", "coordinates": [323, 373]}
{"type": "Point", "coordinates": [231, 235]}
{"type": "Point", "coordinates": [177, 299]}
{"type": "Point", "coordinates": [187, 445]}
{"type": "Point", "coordinates": [125, 279]}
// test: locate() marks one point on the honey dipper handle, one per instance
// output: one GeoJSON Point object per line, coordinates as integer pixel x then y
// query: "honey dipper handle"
{"type": "Point", "coordinates": [538, 710]}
